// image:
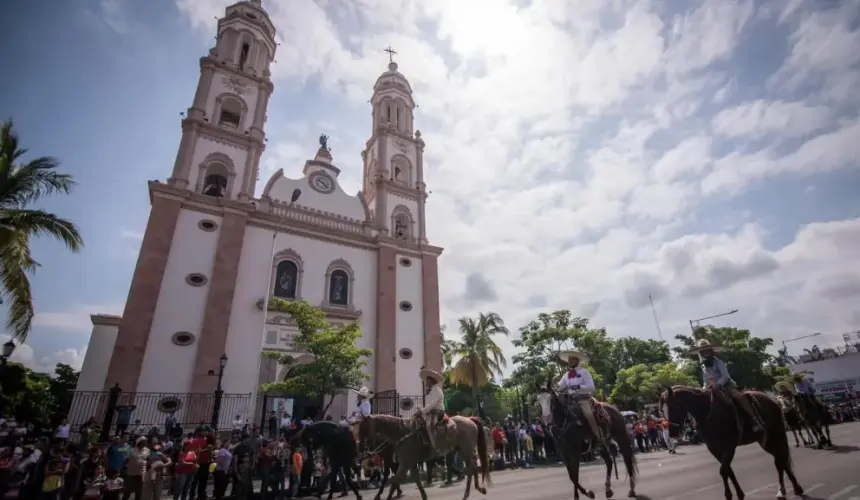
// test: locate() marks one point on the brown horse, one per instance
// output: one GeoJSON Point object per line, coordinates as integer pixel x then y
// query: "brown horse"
{"type": "Point", "coordinates": [407, 438]}
{"type": "Point", "coordinates": [570, 437]}
{"type": "Point", "coordinates": [718, 419]}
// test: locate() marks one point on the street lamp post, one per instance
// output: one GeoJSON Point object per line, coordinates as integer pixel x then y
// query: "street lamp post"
{"type": "Point", "coordinates": [8, 349]}
{"type": "Point", "coordinates": [219, 392]}
{"type": "Point", "coordinates": [784, 342]}
{"type": "Point", "coordinates": [693, 328]}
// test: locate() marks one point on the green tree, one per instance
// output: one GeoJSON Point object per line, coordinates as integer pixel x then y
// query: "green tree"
{"type": "Point", "coordinates": [34, 396]}
{"type": "Point", "coordinates": [21, 185]}
{"type": "Point", "coordinates": [478, 356]}
{"type": "Point", "coordinates": [337, 365]}
{"type": "Point", "coordinates": [447, 350]}
{"type": "Point", "coordinates": [539, 343]}
{"type": "Point", "coordinates": [638, 385]}
{"type": "Point", "coordinates": [745, 355]}
{"type": "Point", "coordinates": [62, 387]}
{"type": "Point", "coordinates": [629, 351]}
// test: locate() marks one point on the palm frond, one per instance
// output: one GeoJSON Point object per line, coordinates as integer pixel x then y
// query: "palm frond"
{"type": "Point", "coordinates": [15, 264]}
{"type": "Point", "coordinates": [41, 223]}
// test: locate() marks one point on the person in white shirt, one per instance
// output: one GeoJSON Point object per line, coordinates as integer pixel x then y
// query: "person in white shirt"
{"type": "Point", "coordinates": [363, 409]}
{"type": "Point", "coordinates": [578, 382]}
{"type": "Point", "coordinates": [434, 403]}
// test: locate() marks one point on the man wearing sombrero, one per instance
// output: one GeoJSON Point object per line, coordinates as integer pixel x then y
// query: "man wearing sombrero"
{"type": "Point", "coordinates": [434, 403]}
{"type": "Point", "coordinates": [804, 383]}
{"type": "Point", "coordinates": [579, 382]}
{"type": "Point", "coordinates": [363, 409]}
{"type": "Point", "coordinates": [717, 377]}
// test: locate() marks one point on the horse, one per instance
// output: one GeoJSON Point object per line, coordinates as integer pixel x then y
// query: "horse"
{"type": "Point", "coordinates": [725, 428]}
{"type": "Point", "coordinates": [817, 418]}
{"type": "Point", "coordinates": [570, 438]}
{"type": "Point", "coordinates": [406, 438]}
{"type": "Point", "coordinates": [794, 420]}
{"type": "Point", "coordinates": [339, 448]}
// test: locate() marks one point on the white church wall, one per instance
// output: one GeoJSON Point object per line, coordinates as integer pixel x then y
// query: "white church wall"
{"type": "Point", "coordinates": [246, 338]}
{"type": "Point", "coordinates": [97, 359]}
{"type": "Point", "coordinates": [410, 326]}
{"type": "Point", "coordinates": [205, 147]}
{"type": "Point", "coordinates": [180, 307]}
{"type": "Point", "coordinates": [338, 202]}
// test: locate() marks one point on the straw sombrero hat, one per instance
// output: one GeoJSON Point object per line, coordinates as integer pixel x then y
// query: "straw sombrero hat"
{"type": "Point", "coordinates": [704, 345]}
{"type": "Point", "coordinates": [783, 386]}
{"type": "Point", "coordinates": [364, 392]}
{"type": "Point", "coordinates": [566, 355]}
{"type": "Point", "coordinates": [431, 374]}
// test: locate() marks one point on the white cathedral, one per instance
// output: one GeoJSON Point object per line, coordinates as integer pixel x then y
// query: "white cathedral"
{"type": "Point", "coordinates": [213, 250]}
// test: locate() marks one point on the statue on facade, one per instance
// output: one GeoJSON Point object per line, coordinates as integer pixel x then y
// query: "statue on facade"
{"type": "Point", "coordinates": [324, 142]}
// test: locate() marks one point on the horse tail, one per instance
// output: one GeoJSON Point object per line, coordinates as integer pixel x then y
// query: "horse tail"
{"type": "Point", "coordinates": [483, 452]}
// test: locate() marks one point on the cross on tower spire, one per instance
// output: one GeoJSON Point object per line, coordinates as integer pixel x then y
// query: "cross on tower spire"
{"type": "Point", "coordinates": [391, 53]}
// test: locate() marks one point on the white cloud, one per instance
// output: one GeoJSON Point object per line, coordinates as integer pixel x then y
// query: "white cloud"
{"type": "Point", "coordinates": [45, 364]}
{"type": "Point", "coordinates": [570, 143]}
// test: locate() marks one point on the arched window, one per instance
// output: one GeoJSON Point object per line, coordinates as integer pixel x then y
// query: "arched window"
{"type": "Point", "coordinates": [286, 279]}
{"type": "Point", "coordinates": [231, 113]}
{"type": "Point", "coordinates": [401, 170]}
{"type": "Point", "coordinates": [339, 280]}
{"type": "Point", "coordinates": [401, 227]}
{"type": "Point", "coordinates": [243, 55]}
{"type": "Point", "coordinates": [338, 289]}
{"type": "Point", "coordinates": [216, 180]}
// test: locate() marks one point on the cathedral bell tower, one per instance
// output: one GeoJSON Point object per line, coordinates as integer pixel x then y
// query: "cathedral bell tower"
{"type": "Point", "coordinates": [393, 161]}
{"type": "Point", "coordinates": [222, 131]}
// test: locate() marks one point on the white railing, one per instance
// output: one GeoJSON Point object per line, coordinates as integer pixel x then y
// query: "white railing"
{"type": "Point", "coordinates": [318, 218]}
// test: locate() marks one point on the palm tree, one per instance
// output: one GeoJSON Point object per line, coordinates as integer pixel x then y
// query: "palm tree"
{"type": "Point", "coordinates": [478, 356]}
{"type": "Point", "coordinates": [447, 350]}
{"type": "Point", "coordinates": [22, 184]}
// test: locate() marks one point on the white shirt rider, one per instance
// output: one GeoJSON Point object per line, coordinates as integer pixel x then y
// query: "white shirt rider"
{"type": "Point", "coordinates": [435, 400]}
{"type": "Point", "coordinates": [580, 383]}
{"type": "Point", "coordinates": [364, 408]}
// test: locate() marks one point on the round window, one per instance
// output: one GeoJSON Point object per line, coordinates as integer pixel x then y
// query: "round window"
{"type": "Point", "coordinates": [207, 225]}
{"type": "Point", "coordinates": [196, 279]}
{"type": "Point", "coordinates": [405, 262]}
{"type": "Point", "coordinates": [406, 353]}
{"type": "Point", "coordinates": [406, 404]}
{"type": "Point", "coordinates": [183, 338]}
{"type": "Point", "coordinates": [169, 404]}
{"type": "Point", "coordinates": [405, 306]}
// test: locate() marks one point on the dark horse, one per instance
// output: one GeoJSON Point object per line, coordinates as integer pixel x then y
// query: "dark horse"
{"type": "Point", "coordinates": [406, 437]}
{"type": "Point", "coordinates": [570, 438]}
{"type": "Point", "coordinates": [339, 448]}
{"type": "Point", "coordinates": [817, 417]}
{"type": "Point", "coordinates": [725, 428]}
{"type": "Point", "coordinates": [797, 425]}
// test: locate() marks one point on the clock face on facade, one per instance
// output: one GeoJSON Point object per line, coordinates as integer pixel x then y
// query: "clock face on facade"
{"type": "Point", "coordinates": [321, 182]}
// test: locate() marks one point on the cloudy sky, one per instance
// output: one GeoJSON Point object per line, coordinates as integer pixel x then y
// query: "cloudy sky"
{"type": "Point", "coordinates": [581, 155]}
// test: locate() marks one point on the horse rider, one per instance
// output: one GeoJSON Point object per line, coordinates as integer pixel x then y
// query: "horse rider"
{"type": "Point", "coordinates": [805, 387]}
{"type": "Point", "coordinates": [434, 403]}
{"type": "Point", "coordinates": [363, 409]}
{"type": "Point", "coordinates": [717, 377]}
{"type": "Point", "coordinates": [579, 383]}
{"type": "Point", "coordinates": [785, 395]}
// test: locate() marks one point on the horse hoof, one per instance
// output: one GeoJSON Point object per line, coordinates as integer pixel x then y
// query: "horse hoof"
{"type": "Point", "coordinates": [482, 491]}
{"type": "Point", "coordinates": [609, 493]}
{"type": "Point", "coordinates": [589, 494]}
{"type": "Point", "coordinates": [631, 494]}
{"type": "Point", "coordinates": [797, 445]}
{"type": "Point", "coordinates": [377, 497]}
{"type": "Point", "coordinates": [780, 495]}
{"type": "Point", "coordinates": [798, 492]}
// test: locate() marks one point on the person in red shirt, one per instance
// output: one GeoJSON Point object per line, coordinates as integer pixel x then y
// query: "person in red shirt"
{"type": "Point", "coordinates": [183, 470]}
{"type": "Point", "coordinates": [498, 435]}
{"type": "Point", "coordinates": [202, 447]}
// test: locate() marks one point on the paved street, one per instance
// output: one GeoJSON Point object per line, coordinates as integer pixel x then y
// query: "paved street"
{"type": "Point", "coordinates": [692, 474]}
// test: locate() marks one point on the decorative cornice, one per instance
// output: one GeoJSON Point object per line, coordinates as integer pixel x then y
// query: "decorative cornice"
{"type": "Point", "coordinates": [222, 136]}
{"type": "Point", "coordinates": [105, 319]}
{"type": "Point", "coordinates": [212, 62]}
{"type": "Point", "coordinates": [360, 236]}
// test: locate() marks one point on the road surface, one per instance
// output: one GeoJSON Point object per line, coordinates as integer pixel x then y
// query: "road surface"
{"type": "Point", "coordinates": [691, 474]}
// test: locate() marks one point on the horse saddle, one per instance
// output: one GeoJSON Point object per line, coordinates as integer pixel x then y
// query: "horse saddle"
{"type": "Point", "coordinates": [600, 414]}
